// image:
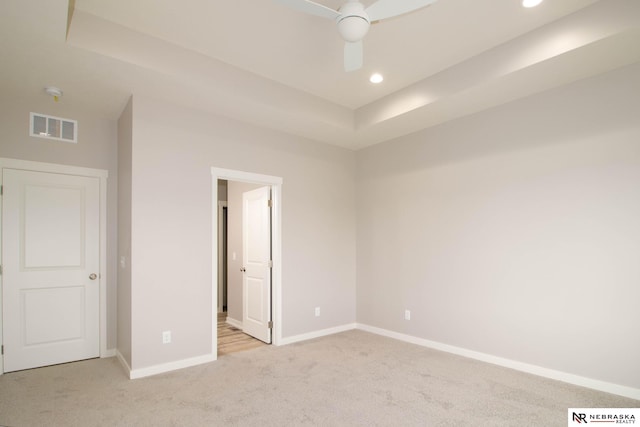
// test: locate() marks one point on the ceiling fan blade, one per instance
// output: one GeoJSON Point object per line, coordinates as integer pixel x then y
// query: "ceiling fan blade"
{"type": "Point", "coordinates": [352, 56]}
{"type": "Point", "coordinates": [383, 9]}
{"type": "Point", "coordinates": [311, 8]}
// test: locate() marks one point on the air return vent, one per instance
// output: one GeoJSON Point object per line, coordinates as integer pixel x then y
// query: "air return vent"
{"type": "Point", "coordinates": [53, 128]}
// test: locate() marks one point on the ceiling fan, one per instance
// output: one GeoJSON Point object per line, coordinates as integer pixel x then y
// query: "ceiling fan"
{"type": "Point", "coordinates": [353, 20]}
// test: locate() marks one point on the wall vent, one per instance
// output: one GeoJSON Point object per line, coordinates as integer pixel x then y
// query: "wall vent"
{"type": "Point", "coordinates": [51, 127]}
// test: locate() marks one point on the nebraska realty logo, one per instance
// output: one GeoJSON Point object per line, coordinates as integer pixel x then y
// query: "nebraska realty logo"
{"type": "Point", "coordinates": [579, 416]}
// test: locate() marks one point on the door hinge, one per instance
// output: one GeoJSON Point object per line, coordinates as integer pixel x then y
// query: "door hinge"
{"type": "Point", "coordinates": [1, 189]}
{"type": "Point", "coordinates": [0, 270]}
{"type": "Point", "coordinates": [270, 324]}
{"type": "Point", "coordinates": [270, 203]}
{"type": "Point", "coordinates": [270, 265]}
{"type": "Point", "coordinates": [2, 351]}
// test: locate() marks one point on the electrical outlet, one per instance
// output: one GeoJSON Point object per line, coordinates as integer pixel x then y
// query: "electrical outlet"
{"type": "Point", "coordinates": [407, 315]}
{"type": "Point", "coordinates": [166, 337]}
{"type": "Point", "coordinates": [317, 311]}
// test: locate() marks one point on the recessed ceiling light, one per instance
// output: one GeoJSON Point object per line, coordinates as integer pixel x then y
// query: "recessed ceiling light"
{"type": "Point", "coordinates": [376, 78]}
{"type": "Point", "coordinates": [531, 3]}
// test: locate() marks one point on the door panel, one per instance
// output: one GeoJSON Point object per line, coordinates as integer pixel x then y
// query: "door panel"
{"type": "Point", "coordinates": [50, 248]}
{"type": "Point", "coordinates": [52, 227]}
{"type": "Point", "coordinates": [63, 307]}
{"type": "Point", "coordinates": [256, 237]}
{"type": "Point", "coordinates": [255, 295]}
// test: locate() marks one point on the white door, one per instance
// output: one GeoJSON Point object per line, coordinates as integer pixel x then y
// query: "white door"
{"type": "Point", "coordinates": [50, 283]}
{"type": "Point", "coordinates": [256, 250]}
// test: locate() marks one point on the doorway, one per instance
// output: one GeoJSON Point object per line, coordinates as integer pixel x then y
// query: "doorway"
{"type": "Point", "coordinates": [236, 330]}
{"type": "Point", "coordinates": [274, 186]}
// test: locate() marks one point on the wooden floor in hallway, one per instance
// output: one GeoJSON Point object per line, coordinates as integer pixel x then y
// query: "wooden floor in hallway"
{"type": "Point", "coordinates": [232, 339]}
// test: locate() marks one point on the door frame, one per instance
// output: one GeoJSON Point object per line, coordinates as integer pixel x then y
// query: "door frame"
{"type": "Point", "coordinates": [276, 245]}
{"type": "Point", "coordinates": [101, 174]}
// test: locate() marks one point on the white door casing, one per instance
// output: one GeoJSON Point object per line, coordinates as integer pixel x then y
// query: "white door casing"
{"type": "Point", "coordinates": [256, 251]}
{"type": "Point", "coordinates": [51, 248]}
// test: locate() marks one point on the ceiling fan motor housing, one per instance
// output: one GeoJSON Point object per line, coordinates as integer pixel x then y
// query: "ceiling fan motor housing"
{"type": "Point", "coordinates": [353, 22]}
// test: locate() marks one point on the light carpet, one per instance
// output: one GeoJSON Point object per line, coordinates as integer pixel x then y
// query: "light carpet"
{"type": "Point", "coordinates": [349, 379]}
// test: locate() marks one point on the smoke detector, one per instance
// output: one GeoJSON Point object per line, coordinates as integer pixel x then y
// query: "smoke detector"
{"type": "Point", "coordinates": [53, 91]}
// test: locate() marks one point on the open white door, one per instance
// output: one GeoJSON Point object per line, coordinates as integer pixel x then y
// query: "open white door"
{"type": "Point", "coordinates": [50, 250]}
{"type": "Point", "coordinates": [256, 282]}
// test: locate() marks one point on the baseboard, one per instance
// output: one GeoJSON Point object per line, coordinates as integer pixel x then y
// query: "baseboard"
{"type": "Point", "coordinates": [604, 386]}
{"type": "Point", "coordinates": [233, 322]}
{"type": "Point", "coordinates": [123, 363]}
{"type": "Point", "coordinates": [171, 366]}
{"type": "Point", "coordinates": [317, 334]}
{"type": "Point", "coordinates": [110, 352]}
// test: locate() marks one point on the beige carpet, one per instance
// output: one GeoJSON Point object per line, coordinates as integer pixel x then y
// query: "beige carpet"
{"type": "Point", "coordinates": [349, 379]}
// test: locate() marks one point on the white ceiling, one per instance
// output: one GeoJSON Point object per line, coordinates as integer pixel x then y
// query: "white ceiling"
{"type": "Point", "coordinates": [260, 62]}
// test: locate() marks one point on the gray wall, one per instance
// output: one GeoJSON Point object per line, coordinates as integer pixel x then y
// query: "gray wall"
{"type": "Point", "coordinates": [125, 139]}
{"type": "Point", "coordinates": [96, 148]}
{"type": "Point", "coordinates": [514, 232]}
{"type": "Point", "coordinates": [235, 245]}
{"type": "Point", "coordinates": [173, 151]}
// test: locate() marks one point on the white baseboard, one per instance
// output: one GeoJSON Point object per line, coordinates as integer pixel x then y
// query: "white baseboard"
{"type": "Point", "coordinates": [233, 322]}
{"type": "Point", "coordinates": [165, 367]}
{"type": "Point", "coordinates": [110, 352]}
{"type": "Point", "coordinates": [123, 363]}
{"type": "Point", "coordinates": [317, 334]}
{"type": "Point", "coordinates": [604, 386]}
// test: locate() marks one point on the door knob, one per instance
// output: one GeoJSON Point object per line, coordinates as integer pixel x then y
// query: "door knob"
{"type": "Point", "coordinates": [93, 276]}
{"type": "Point", "coordinates": [243, 269]}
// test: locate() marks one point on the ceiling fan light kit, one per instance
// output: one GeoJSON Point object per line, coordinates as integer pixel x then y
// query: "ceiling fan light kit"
{"type": "Point", "coordinates": [353, 20]}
